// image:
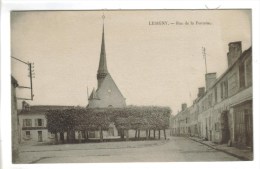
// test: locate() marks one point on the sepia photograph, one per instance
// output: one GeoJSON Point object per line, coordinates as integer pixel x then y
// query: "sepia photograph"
{"type": "Point", "coordinates": [114, 86]}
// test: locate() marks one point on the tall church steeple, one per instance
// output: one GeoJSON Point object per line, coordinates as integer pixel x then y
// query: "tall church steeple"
{"type": "Point", "coordinates": [107, 93]}
{"type": "Point", "coordinates": [102, 68]}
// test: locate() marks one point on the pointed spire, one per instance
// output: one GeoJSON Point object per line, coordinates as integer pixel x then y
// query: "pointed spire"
{"type": "Point", "coordinates": [102, 61]}
{"type": "Point", "coordinates": [102, 68]}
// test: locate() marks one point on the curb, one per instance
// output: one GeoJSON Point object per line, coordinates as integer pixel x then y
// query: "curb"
{"type": "Point", "coordinates": [227, 152]}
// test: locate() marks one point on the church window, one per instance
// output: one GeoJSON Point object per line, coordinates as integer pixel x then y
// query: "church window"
{"type": "Point", "coordinates": [109, 91]}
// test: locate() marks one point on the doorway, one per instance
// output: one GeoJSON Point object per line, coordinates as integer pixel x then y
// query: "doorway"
{"type": "Point", "coordinates": [224, 127]}
{"type": "Point", "coordinates": [248, 128]}
{"type": "Point", "coordinates": [40, 136]}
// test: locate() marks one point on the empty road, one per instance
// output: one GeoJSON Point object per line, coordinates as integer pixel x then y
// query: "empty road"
{"type": "Point", "coordinates": [175, 149]}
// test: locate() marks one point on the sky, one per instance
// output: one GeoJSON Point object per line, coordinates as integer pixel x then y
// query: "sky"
{"type": "Point", "coordinates": [151, 64]}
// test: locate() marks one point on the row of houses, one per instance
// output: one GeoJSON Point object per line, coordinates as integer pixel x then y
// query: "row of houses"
{"type": "Point", "coordinates": [222, 111]}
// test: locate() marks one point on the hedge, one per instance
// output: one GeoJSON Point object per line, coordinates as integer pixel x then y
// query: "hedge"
{"type": "Point", "coordinates": [130, 117]}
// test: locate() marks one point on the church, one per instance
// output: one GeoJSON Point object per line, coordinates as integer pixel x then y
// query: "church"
{"type": "Point", "coordinates": [107, 93]}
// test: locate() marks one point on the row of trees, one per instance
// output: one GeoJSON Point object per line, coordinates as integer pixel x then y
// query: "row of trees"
{"type": "Point", "coordinates": [132, 117]}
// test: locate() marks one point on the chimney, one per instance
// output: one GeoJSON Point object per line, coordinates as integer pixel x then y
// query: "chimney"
{"type": "Point", "coordinates": [25, 106]}
{"type": "Point", "coordinates": [201, 91]}
{"type": "Point", "coordinates": [183, 106]}
{"type": "Point", "coordinates": [234, 51]}
{"type": "Point", "coordinates": [210, 78]}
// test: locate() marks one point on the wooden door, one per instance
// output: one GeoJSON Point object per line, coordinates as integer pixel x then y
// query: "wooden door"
{"type": "Point", "coordinates": [248, 128]}
{"type": "Point", "coordinates": [40, 136]}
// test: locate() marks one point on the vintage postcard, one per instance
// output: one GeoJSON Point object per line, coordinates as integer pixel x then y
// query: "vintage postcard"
{"type": "Point", "coordinates": [108, 86]}
{"type": "Point", "coordinates": [133, 85]}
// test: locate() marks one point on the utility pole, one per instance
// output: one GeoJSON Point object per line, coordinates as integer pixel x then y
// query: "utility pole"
{"type": "Point", "coordinates": [31, 75]}
{"type": "Point", "coordinates": [205, 57]}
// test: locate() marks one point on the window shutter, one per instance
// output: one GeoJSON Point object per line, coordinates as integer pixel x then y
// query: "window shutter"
{"type": "Point", "coordinates": [24, 123]}
{"type": "Point", "coordinates": [42, 122]}
{"type": "Point", "coordinates": [36, 124]}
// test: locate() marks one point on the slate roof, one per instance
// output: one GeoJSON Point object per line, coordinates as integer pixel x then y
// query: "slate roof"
{"type": "Point", "coordinates": [108, 79]}
{"type": "Point", "coordinates": [93, 95]}
{"type": "Point", "coordinates": [42, 109]}
{"type": "Point", "coordinates": [103, 62]}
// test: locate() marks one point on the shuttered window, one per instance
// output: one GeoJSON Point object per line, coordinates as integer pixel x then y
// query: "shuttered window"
{"type": "Point", "coordinates": [39, 122]}
{"type": "Point", "coordinates": [27, 122]}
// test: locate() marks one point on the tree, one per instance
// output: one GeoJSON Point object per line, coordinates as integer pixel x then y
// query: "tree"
{"type": "Point", "coordinates": [98, 119]}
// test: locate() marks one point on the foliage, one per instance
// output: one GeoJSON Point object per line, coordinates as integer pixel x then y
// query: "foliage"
{"type": "Point", "coordinates": [142, 117]}
{"type": "Point", "coordinates": [131, 117]}
{"type": "Point", "coordinates": [60, 120]}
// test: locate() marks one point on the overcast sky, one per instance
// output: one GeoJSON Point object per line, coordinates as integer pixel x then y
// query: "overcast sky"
{"type": "Point", "coordinates": [151, 64]}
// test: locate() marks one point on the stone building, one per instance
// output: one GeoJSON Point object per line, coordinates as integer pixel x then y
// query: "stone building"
{"type": "Point", "coordinates": [107, 93]}
{"type": "Point", "coordinates": [33, 124]}
{"type": "Point", "coordinates": [223, 113]}
{"type": "Point", "coordinates": [14, 116]}
{"type": "Point", "coordinates": [180, 123]}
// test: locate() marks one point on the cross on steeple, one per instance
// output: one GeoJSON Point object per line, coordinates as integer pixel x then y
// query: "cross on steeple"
{"type": "Point", "coordinates": [103, 17]}
{"type": "Point", "coordinates": [107, 93]}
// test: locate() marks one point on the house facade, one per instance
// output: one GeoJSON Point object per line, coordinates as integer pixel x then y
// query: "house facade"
{"type": "Point", "coordinates": [222, 112]}
{"type": "Point", "coordinates": [33, 128]}
{"type": "Point", "coordinates": [14, 116]}
{"type": "Point", "coordinates": [33, 124]}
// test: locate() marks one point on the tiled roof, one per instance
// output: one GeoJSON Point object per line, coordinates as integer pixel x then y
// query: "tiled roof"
{"type": "Point", "coordinates": [42, 109]}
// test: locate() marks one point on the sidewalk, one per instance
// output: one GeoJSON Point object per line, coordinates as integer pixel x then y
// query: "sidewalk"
{"type": "Point", "coordinates": [242, 154]}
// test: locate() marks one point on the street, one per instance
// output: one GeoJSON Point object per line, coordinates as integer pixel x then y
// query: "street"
{"type": "Point", "coordinates": [172, 150]}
